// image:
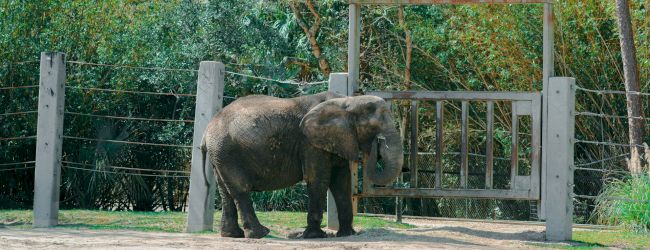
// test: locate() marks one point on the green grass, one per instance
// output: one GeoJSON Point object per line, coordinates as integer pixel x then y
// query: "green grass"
{"type": "Point", "coordinates": [280, 223]}
{"type": "Point", "coordinates": [588, 239]}
{"type": "Point", "coordinates": [626, 203]}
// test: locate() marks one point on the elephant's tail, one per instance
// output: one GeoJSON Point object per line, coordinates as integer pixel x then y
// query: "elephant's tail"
{"type": "Point", "coordinates": [204, 152]}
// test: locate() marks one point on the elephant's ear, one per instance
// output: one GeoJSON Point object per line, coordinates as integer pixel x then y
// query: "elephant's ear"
{"type": "Point", "coordinates": [330, 127]}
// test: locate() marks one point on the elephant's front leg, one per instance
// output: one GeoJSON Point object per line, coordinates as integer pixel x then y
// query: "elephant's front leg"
{"type": "Point", "coordinates": [341, 190]}
{"type": "Point", "coordinates": [317, 173]}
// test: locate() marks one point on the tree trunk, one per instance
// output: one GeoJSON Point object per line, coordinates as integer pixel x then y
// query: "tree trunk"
{"type": "Point", "coordinates": [631, 73]}
{"type": "Point", "coordinates": [312, 34]}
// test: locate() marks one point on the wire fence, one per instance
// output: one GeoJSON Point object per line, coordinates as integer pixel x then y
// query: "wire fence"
{"type": "Point", "coordinates": [602, 157]}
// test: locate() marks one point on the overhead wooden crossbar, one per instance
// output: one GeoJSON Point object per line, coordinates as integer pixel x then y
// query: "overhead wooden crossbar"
{"type": "Point", "coordinates": [429, 2]}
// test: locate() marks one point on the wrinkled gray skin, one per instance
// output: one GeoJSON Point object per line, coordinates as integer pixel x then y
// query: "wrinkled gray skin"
{"type": "Point", "coordinates": [261, 143]}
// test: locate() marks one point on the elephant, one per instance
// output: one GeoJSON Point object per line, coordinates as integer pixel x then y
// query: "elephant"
{"type": "Point", "coordinates": [262, 143]}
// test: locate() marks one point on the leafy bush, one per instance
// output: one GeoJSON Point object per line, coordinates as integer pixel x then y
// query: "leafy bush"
{"type": "Point", "coordinates": [626, 203]}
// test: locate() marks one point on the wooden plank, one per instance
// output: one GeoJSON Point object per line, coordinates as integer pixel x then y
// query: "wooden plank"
{"type": "Point", "coordinates": [209, 101]}
{"type": "Point", "coordinates": [489, 150]}
{"type": "Point", "coordinates": [450, 193]}
{"type": "Point", "coordinates": [535, 155]}
{"type": "Point", "coordinates": [548, 71]}
{"type": "Point", "coordinates": [455, 95]}
{"type": "Point", "coordinates": [49, 142]}
{"type": "Point", "coordinates": [414, 144]}
{"type": "Point", "coordinates": [440, 109]}
{"type": "Point", "coordinates": [463, 145]}
{"type": "Point", "coordinates": [354, 45]}
{"type": "Point", "coordinates": [514, 149]}
{"type": "Point", "coordinates": [559, 179]}
{"type": "Point", "coordinates": [430, 2]}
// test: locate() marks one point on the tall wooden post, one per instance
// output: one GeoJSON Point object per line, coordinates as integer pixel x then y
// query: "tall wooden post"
{"type": "Point", "coordinates": [559, 171]}
{"type": "Point", "coordinates": [49, 142]}
{"type": "Point", "coordinates": [548, 71]}
{"type": "Point", "coordinates": [354, 45]}
{"type": "Point", "coordinates": [209, 101]}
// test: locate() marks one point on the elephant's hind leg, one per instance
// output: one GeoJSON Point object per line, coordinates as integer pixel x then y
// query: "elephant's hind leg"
{"type": "Point", "coordinates": [229, 226]}
{"type": "Point", "coordinates": [252, 226]}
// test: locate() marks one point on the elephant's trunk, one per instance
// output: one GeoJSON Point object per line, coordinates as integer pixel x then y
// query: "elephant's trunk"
{"type": "Point", "coordinates": [390, 149]}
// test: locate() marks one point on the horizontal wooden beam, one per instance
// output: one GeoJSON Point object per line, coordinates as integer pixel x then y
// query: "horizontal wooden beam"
{"type": "Point", "coordinates": [457, 95]}
{"type": "Point", "coordinates": [430, 2]}
{"type": "Point", "coordinates": [447, 193]}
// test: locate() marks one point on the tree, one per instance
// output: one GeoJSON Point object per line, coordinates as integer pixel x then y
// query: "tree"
{"type": "Point", "coordinates": [312, 34]}
{"type": "Point", "coordinates": [631, 74]}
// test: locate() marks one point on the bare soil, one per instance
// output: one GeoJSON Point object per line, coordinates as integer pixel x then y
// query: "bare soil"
{"type": "Point", "coordinates": [428, 234]}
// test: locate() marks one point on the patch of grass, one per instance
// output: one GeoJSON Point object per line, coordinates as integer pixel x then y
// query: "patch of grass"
{"type": "Point", "coordinates": [278, 222]}
{"type": "Point", "coordinates": [625, 202]}
{"type": "Point", "coordinates": [588, 239]}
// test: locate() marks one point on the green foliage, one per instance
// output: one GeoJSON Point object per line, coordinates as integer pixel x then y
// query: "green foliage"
{"type": "Point", "coordinates": [626, 203]}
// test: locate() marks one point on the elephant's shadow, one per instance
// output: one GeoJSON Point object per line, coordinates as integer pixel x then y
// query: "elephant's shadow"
{"type": "Point", "coordinates": [433, 235]}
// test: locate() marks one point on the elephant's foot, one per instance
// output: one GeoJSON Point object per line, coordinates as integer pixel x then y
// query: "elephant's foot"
{"type": "Point", "coordinates": [314, 233]}
{"type": "Point", "coordinates": [345, 232]}
{"type": "Point", "coordinates": [235, 232]}
{"type": "Point", "coordinates": [257, 233]}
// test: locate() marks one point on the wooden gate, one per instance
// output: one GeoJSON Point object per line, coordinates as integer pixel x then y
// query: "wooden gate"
{"type": "Point", "coordinates": [522, 187]}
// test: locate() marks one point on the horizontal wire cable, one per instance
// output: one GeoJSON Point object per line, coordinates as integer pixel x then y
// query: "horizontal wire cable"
{"type": "Point", "coordinates": [130, 91]}
{"type": "Point", "coordinates": [2, 170]}
{"type": "Point", "coordinates": [19, 87]}
{"type": "Point", "coordinates": [601, 170]}
{"type": "Point", "coordinates": [612, 91]}
{"type": "Point", "coordinates": [600, 161]}
{"type": "Point", "coordinates": [127, 142]}
{"type": "Point", "coordinates": [130, 67]}
{"type": "Point", "coordinates": [608, 198]}
{"type": "Point", "coordinates": [17, 163]}
{"type": "Point", "coordinates": [608, 143]}
{"type": "Point", "coordinates": [609, 116]}
{"type": "Point", "coordinates": [124, 173]}
{"type": "Point", "coordinates": [18, 138]}
{"type": "Point", "coordinates": [19, 113]}
{"type": "Point", "coordinates": [24, 62]}
{"type": "Point", "coordinates": [278, 81]}
{"type": "Point", "coordinates": [126, 168]}
{"type": "Point", "coordinates": [129, 118]}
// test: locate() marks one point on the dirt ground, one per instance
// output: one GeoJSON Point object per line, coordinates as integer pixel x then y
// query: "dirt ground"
{"type": "Point", "coordinates": [429, 234]}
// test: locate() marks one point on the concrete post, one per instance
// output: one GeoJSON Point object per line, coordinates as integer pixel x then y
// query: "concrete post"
{"type": "Point", "coordinates": [338, 83]}
{"type": "Point", "coordinates": [548, 65]}
{"type": "Point", "coordinates": [559, 171]}
{"type": "Point", "coordinates": [209, 101]}
{"type": "Point", "coordinates": [49, 142]}
{"type": "Point", "coordinates": [354, 45]}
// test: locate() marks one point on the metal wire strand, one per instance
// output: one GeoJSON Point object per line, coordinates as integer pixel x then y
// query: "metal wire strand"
{"type": "Point", "coordinates": [609, 116]}
{"type": "Point", "coordinates": [18, 138]}
{"type": "Point", "coordinates": [137, 174]}
{"type": "Point", "coordinates": [278, 81]}
{"type": "Point", "coordinates": [128, 142]}
{"type": "Point", "coordinates": [130, 91]}
{"type": "Point", "coordinates": [600, 92]}
{"type": "Point", "coordinates": [608, 143]}
{"type": "Point", "coordinates": [126, 168]}
{"type": "Point", "coordinates": [17, 163]}
{"type": "Point", "coordinates": [129, 118]}
{"type": "Point", "coordinates": [2, 170]}
{"type": "Point", "coordinates": [608, 198]}
{"type": "Point", "coordinates": [601, 160]}
{"type": "Point", "coordinates": [19, 87]}
{"type": "Point", "coordinates": [130, 67]}
{"type": "Point", "coordinates": [19, 113]}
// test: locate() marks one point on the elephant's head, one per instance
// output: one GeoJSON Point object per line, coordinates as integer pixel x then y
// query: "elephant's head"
{"type": "Point", "coordinates": [349, 125]}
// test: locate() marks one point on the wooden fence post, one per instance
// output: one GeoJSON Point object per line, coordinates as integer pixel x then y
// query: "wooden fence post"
{"type": "Point", "coordinates": [559, 171]}
{"type": "Point", "coordinates": [209, 101]}
{"type": "Point", "coordinates": [338, 83]}
{"type": "Point", "coordinates": [49, 142]}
